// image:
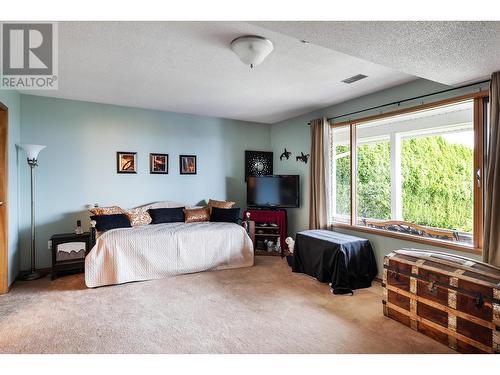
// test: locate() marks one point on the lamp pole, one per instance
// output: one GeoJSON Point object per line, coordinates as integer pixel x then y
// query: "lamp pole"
{"type": "Point", "coordinates": [33, 275]}
{"type": "Point", "coordinates": [32, 152]}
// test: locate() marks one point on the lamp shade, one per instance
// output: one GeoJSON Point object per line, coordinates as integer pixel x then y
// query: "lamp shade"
{"type": "Point", "coordinates": [32, 151]}
{"type": "Point", "coordinates": [252, 49]}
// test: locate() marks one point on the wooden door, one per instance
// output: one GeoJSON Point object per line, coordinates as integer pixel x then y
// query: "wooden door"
{"type": "Point", "coordinates": [4, 278]}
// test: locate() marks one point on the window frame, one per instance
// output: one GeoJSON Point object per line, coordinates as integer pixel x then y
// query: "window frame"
{"type": "Point", "coordinates": [479, 104]}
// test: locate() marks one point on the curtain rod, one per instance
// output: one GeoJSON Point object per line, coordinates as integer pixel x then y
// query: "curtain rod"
{"type": "Point", "coordinates": [406, 100]}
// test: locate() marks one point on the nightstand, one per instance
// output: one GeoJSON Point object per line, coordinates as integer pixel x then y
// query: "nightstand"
{"type": "Point", "coordinates": [68, 252]}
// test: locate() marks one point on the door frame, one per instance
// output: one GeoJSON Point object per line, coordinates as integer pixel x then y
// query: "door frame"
{"type": "Point", "coordinates": [4, 208]}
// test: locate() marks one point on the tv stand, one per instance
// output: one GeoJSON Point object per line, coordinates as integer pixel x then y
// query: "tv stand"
{"type": "Point", "coordinates": [263, 217]}
{"type": "Point", "coordinates": [267, 208]}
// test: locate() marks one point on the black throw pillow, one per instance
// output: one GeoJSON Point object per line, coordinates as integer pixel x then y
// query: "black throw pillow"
{"type": "Point", "coordinates": [166, 215]}
{"type": "Point", "coordinates": [225, 215]}
{"type": "Point", "coordinates": [107, 222]}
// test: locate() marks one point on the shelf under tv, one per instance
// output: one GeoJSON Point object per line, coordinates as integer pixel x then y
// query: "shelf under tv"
{"type": "Point", "coordinates": [269, 226]}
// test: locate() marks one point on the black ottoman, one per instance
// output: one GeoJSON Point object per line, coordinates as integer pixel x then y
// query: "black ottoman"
{"type": "Point", "coordinates": [347, 262]}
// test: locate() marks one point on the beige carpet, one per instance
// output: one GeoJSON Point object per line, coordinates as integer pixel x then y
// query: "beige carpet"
{"type": "Point", "coordinates": [262, 309]}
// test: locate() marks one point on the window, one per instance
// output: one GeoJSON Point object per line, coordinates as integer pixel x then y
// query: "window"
{"type": "Point", "coordinates": [413, 173]}
{"type": "Point", "coordinates": [341, 170]}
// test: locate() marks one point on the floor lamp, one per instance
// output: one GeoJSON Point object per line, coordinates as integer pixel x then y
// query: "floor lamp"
{"type": "Point", "coordinates": [32, 152]}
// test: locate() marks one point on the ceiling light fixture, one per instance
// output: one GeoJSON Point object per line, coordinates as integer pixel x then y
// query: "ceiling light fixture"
{"type": "Point", "coordinates": [252, 49]}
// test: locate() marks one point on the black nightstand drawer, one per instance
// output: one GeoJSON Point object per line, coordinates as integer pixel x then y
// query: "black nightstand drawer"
{"type": "Point", "coordinates": [68, 252]}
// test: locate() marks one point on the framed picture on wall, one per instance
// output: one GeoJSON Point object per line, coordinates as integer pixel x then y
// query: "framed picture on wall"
{"type": "Point", "coordinates": [158, 163]}
{"type": "Point", "coordinates": [187, 164]}
{"type": "Point", "coordinates": [126, 162]}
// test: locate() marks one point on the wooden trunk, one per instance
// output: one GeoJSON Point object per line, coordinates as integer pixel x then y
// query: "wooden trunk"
{"type": "Point", "coordinates": [452, 299]}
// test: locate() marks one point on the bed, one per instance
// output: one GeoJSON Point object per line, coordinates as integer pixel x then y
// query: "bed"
{"type": "Point", "coordinates": [157, 251]}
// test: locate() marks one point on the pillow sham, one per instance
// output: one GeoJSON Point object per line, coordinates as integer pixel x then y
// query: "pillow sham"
{"type": "Point", "coordinates": [138, 216]}
{"type": "Point", "coordinates": [107, 222]}
{"type": "Point", "coordinates": [194, 215]}
{"type": "Point", "coordinates": [112, 210]}
{"type": "Point", "coordinates": [219, 204]}
{"type": "Point", "coordinates": [166, 215]}
{"type": "Point", "coordinates": [225, 215]}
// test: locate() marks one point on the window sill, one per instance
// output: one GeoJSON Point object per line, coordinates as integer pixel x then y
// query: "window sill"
{"type": "Point", "coordinates": [410, 237]}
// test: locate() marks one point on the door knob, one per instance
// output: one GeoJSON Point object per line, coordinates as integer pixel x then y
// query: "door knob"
{"type": "Point", "coordinates": [1, 203]}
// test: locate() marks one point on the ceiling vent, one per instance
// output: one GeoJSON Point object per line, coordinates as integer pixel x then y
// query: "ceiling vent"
{"type": "Point", "coordinates": [354, 78]}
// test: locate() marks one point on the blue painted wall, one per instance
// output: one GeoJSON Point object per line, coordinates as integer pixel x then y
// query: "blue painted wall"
{"type": "Point", "coordinates": [78, 167]}
{"type": "Point", "coordinates": [11, 99]}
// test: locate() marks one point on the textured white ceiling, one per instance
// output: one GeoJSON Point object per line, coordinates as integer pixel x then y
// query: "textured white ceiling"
{"type": "Point", "coordinates": [447, 52]}
{"type": "Point", "coordinates": [188, 67]}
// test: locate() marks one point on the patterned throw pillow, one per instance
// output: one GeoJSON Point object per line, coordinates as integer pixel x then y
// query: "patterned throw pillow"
{"type": "Point", "coordinates": [138, 216]}
{"type": "Point", "coordinates": [113, 210]}
{"type": "Point", "coordinates": [219, 204]}
{"type": "Point", "coordinates": [194, 215]}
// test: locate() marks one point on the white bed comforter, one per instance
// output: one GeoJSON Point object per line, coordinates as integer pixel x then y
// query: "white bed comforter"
{"type": "Point", "coordinates": [161, 250]}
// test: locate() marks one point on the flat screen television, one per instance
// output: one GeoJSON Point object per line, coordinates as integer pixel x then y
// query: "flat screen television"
{"type": "Point", "coordinates": [280, 191]}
